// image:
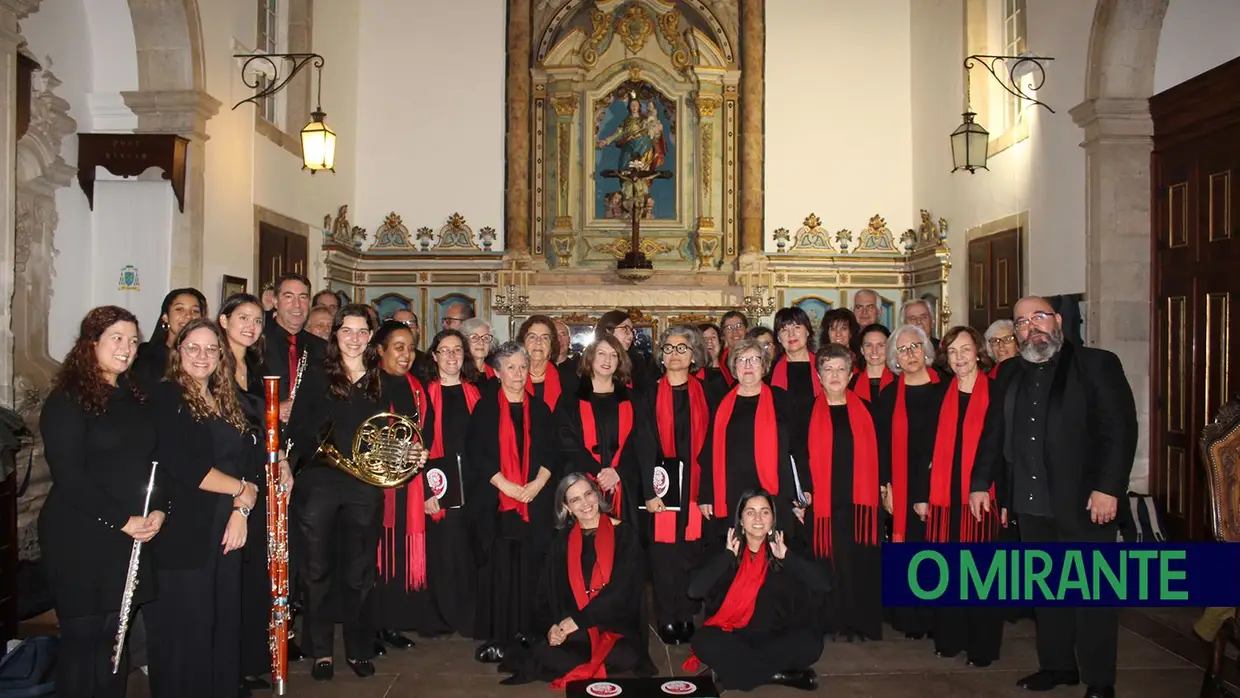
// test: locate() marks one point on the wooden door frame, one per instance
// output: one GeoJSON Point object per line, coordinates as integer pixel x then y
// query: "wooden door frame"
{"type": "Point", "coordinates": [1016, 221]}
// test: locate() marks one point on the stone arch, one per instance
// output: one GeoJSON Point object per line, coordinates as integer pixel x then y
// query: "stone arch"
{"type": "Point", "coordinates": [168, 35]}
{"type": "Point", "coordinates": [1123, 49]}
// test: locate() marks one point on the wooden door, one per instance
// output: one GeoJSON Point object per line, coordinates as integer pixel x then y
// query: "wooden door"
{"type": "Point", "coordinates": [994, 277]}
{"type": "Point", "coordinates": [279, 252]}
{"type": "Point", "coordinates": [297, 250]}
{"type": "Point", "coordinates": [1196, 255]}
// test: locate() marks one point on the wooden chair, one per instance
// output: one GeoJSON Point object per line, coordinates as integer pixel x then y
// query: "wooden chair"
{"type": "Point", "coordinates": [1220, 451]}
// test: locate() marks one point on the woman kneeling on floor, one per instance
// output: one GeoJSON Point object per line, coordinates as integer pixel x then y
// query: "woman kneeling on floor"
{"type": "Point", "coordinates": [758, 597]}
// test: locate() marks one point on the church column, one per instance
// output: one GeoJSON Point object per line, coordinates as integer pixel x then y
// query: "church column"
{"type": "Point", "coordinates": [1118, 142]}
{"type": "Point", "coordinates": [753, 91]}
{"type": "Point", "coordinates": [517, 194]}
{"type": "Point", "coordinates": [185, 113]}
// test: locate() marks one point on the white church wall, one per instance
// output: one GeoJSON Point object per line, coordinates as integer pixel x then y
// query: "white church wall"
{"type": "Point", "coordinates": [839, 117]}
{"type": "Point", "coordinates": [431, 114]}
{"type": "Point", "coordinates": [1197, 35]}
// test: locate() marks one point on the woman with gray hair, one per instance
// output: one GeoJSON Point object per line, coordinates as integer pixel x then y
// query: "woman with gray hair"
{"type": "Point", "coordinates": [511, 445]}
{"type": "Point", "coordinates": [591, 596]}
{"type": "Point", "coordinates": [1000, 343]}
{"type": "Point", "coordinates": [481, 343]}
{"type": "Point", "coordinates": [907, 415]}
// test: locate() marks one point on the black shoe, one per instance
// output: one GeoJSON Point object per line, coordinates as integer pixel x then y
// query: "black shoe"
{"type": "Point", "coordinates": [322, 671]}
{"type": "Point", "coordinates": [979, 663]}
{"type": "Point", "coordinates": [490, 653]}
{"type": "Point", "coordinates": [294, 652]}
{"type": "Point", "coordinates": [804, 679]}
{"type": "Point", "coordinates": [914, 636]}
{"type": "Point", "coordinates": [396, 640]}
{"type": "Point", "coordinates": [668, 634]}
{"type": "Point", "coordinates": [362, 667]}
{"type": "Point", "coordinates": [380, 648]}
{"type": "Point", "coordinates": [1048, 680]}
{"type": "Point", "coordinates": [946, 655]}
{"type": "Point", "coordinates": [516, 680]}
{"type": "Point", "coordinates": [253, 683]}
{"type": "Point", "coordinates": [523, 640]}
{"type": "Point", "coordinates": [685, 631]}
{"type": "Point", "coordinates": [1100, 692]}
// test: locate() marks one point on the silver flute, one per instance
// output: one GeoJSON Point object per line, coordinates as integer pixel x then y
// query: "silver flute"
{"type": "Point", "coordinates": [131, 580]}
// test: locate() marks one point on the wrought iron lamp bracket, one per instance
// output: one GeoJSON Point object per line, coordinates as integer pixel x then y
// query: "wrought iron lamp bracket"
{"type": "Point", "coordinates": [294, 61]}
{"type": "Point", "coordinates": [1011, 65]}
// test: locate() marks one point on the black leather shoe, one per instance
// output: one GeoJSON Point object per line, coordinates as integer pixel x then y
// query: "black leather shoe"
{"type": "Point", "coordinates": [805, 679]}
{"type": "Point", "coordinates": [490, 653]}
{"type": "Point", "coordinates": [946, 655]}
{"type": "Point", "coordinates": [322, 671]}
{"type": "Point", "coordinates": [362, 667]}
{"type": "Point", "coordinates": [914, 636]}
{"type": "Point", "coordinates": [380, 648]}
{"type": "Point", "coordinates": [516, 680]}
{"type": "Point", "coordinates": [1100, 692]}
{"type": "Point", "coordinates": [668, 634]}
{"type": "Point", "coordinates": [1048, 680]}
{"type": "Point", "coordinates": [396, 639]}
{"type": "Point", "coordinates": [979, 663]}
{"type": "Point", "coordinates": [524, 640]}
{"type": "Point", "coordinates": [685, 631]}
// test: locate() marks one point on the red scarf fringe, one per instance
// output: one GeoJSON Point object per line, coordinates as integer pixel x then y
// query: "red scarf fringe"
{"type": "Point", "coordinates": [899, 459]}
{"type": "Point", "coordinates": [513, 466]}
{"type": "Point", "coordinates": [589, 434]}
{"type": "Point", "coordinates": [938, 525]}
{"type": "Point", "coordinates": [699, 422]}
{"type": "Point", "coordinates": [737, 608]}
{"type": "Point", "coordinates": [862, 386]}
{"type": "Point", "coordinates": [415, 527]}
{"type": "Point", "coordinates": [865, 472]}
{"type": "Point", "coordinates": [551, 386]}
{"type": "Point", "coordinates": [765, 447]}
{"type": "Point", "coordinates": [779, 376]}
{"type": "Point", "coordinates": [601, 641]}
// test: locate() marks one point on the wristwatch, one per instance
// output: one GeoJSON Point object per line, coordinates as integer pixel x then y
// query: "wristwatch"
{"type": "Point", "coordinates": [245, 511]}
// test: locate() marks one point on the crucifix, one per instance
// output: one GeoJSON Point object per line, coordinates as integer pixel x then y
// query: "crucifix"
{"type": "Point", "coordinates": [636, 183]}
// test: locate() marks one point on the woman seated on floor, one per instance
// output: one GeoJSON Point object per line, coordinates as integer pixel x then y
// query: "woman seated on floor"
{"type": "Point", "coordinates": [590, 597]}
{"type": "Point", "coordinates": [759, 605]}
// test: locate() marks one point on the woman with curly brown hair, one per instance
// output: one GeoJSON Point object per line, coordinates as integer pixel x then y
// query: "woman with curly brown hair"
{"type": "Point", "coordinates": [210, 454]}
{"type": "Point", "coordinates": [99, 444]}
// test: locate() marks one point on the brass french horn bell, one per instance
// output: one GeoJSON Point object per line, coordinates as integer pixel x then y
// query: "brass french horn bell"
{"type": "Point", "coordinates": [381, 448]}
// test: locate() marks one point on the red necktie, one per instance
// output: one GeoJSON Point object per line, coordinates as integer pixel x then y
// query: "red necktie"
{"type": "Point", "coordinates": [292, 361]}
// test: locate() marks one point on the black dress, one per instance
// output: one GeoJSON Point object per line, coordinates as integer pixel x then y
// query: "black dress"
{"type": "Point", "coordinates": [150, 364]}
{"type": "Point", "coordinates": [194, 625]}
{"type": "Point", "coordinates": [100, 465]}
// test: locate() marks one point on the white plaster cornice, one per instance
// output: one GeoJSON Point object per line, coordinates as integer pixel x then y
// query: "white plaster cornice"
{"type": "Point", "coordinates": [184, 112]}
{"type": "Point", "coordinates": [110, 114]}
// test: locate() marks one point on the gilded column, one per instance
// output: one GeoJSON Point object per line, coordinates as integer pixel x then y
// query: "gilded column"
{"type": "Point", "coordinates": [517, 194]}
{"type": "Point", "coordinates": [565, 106]}
{"type": "Point", "coordinates": [753, 91]}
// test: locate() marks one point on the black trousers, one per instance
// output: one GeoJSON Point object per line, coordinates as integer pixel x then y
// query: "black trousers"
{"type": "Point", "coordinates": [1072, 639]}
{"type": "Point", "coordinates": [194, 628]}
{"type": "Point", "coordinates": [670, 564]}
{"type": "Point", "coordinates": [84, 659]}
{"type": "Point", "coordinates": [975, 630]}
{"type": "Point", "coordinates": [745, 660]}
{"type": "Point", "coordinates": [339, 519]}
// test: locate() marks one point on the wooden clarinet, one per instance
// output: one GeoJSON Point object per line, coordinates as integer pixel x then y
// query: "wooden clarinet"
{"type": "Point", "coordinates": [277, 542]}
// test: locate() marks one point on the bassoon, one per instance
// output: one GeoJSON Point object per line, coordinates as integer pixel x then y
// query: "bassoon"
{"type": "Point", "coordinates": [277, 542]}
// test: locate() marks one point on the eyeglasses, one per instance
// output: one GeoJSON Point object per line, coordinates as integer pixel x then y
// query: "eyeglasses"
{"type": "Point", "coordinates": [450, 351]}
{"type": "Point", "coordinates": [1038, 317]}
{"type": "Point", "coordinates": [200, 349]}
{"type": "Point", "coordinates": [538, 338]}
{"type": "Point", "coordinates": [1000, 341]}
{"type": "Point", "coordinates": [626, 329]}
{"type": "Point", "coordinates": [481, 338]}
{"type": "Point", "coordinates": [678, 348]}
{"type": "Point", "coordinates": [909, 348]}
{"type": "Point", "coordinates": [750, 361]}
{"type": "Point", "coordinates": [734, 326]}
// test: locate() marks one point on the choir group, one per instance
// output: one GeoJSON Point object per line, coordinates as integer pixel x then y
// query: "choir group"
{"type": "Point", "coordinates": [746, 477]}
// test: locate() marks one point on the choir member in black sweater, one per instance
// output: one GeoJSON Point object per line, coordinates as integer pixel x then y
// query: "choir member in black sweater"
{"type": "Point", "coordinates": [446, 603]}
{"type": "Point", "coordinates": [618, 324]}
{"type": "Point", "coordinates": [747, 447]}
{"type": "Point", "coordinates": [99, 443]}
{"type": "Point", "coordinates": [480, 342]}
{"type": "Point", "coordinates": [511, 446]}
{"type": "Point", "coordinates": [590, 596]}
{"type": "Point", "coordinates": [402, 546]}
{"type": "Point", "coordinates": [337, 514]}
{"type": "Point", "coordinates": [671, 483]}
{"type": "Point", "coordinates": [212, 459]}
{"type": "Point", "coordinates": [965, 415]}
{"type": "Point", "coordinates": [907, 416]}
{"type": "Point", "coordinates": [605, 430]}
{"type": "Point", "coordinates": [870, 379]}
{"type": "Point", "coordinates": [793, 369]}
{"type": "Point", "coordinates": [712, 340]}
{"type": "Point", "coordinates": [758, 596]}
{"type": "Point", "coordinates": [179, 307]}
{"type": "Point", "coordinates": [241, 318]}
{"type": "Point", "coordinates": [843, 517]}
{"type": "Point", "coordinates": [545, 380]}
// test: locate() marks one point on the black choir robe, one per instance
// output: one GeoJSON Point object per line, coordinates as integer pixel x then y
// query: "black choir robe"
{"type": "Point", "coordinates": [922, 403]}
{"type": "Point", "coordinates": [742, 472]}
{"type": "Point", "coordinates": [635, 453]}
{"type": "Point", "coordinates": [618, 607]}
{"type": "Point", "coordinates": [854, 608]}
{"type": "Point", "coordinates": [508, 549]}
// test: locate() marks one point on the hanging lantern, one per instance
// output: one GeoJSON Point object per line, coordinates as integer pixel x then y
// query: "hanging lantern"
{"type": "Point", "coordinates": [318, 144]}
{"type": "Point", "coordinates": [969, 145]}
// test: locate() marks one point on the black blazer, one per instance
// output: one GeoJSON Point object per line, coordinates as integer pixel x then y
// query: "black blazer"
{"type": "Point", "coordinates": [1091, 432]}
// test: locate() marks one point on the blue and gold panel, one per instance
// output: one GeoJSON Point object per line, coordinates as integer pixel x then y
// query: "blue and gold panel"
{"type": "Point", "coordinates": [388, 302]}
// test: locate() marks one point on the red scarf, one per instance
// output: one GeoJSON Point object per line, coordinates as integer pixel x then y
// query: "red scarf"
{"type": "Point", "coordinates": [864, 467]}
{"type": "Point", "coordinates": [862, 386]}
{"type": "Point", "coordinates": [779, 376]}
{"type": "Point", "coordinates": [513, 466]}
{"type": "Point", "coordinates": [994, 372]}
{"type": "Point", "coordinates": [551, 385]}
{"type": "Point", "coordinates": [899, 459]}
{"type": "Point", "coordinates": [415, 514]}
{"type": "Point", "coordinates": [971, 530]}
{"type": "Point", "coordinates": [737, 608]}
{"type": "Point", "coordinates": [589, 434]}
{"type": "Point", "coordinates": [723, 368]}
{"type": "Point", "coordinates": [601, 641]}
{"type": "Point", "coordinates": [765, 447]}
{"type": "Point", "coordinates": [490, 372]}
{"type": "Point", "coordinates": [699, 422]}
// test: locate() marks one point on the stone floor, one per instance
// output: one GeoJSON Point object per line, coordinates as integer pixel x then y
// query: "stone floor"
{"type": "Point", "coordinates": [1158, 658]}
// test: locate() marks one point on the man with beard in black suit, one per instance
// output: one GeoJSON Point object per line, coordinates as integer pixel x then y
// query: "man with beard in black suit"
{"type": "Point", "coordinates": [1067, 439]}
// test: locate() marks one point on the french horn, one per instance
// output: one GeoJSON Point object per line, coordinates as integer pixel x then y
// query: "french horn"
{"type": "Point", "coordinates": [381, 449]}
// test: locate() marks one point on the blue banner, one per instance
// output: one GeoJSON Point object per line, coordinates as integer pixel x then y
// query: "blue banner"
{"type": "Point", "coordinates": [1061, 574]}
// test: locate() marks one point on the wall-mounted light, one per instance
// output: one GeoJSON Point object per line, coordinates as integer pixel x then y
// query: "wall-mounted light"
{"type": "Point", "coordinates": [318, 142]}
{"type": "Point", "coordinates": [970, 141]}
